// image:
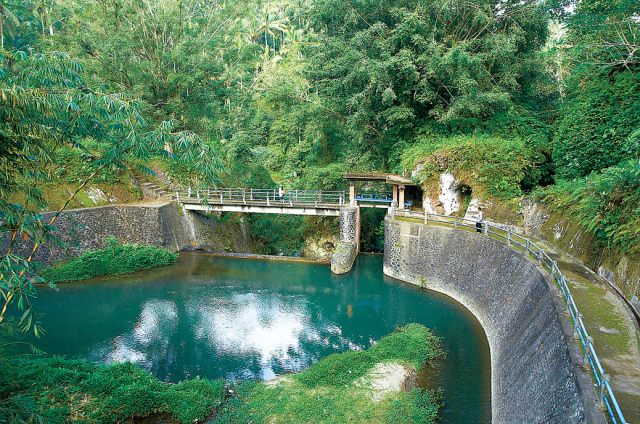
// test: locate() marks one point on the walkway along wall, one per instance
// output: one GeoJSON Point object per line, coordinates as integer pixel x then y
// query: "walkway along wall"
{"type": "Point", "coordinates": [534, 376]}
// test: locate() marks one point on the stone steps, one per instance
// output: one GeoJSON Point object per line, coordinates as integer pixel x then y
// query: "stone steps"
{"type": "Point", "coordinates": [151, 189]}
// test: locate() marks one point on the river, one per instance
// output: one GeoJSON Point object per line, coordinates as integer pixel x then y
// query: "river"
{"type": "Point", "coordinates": [255, 319]}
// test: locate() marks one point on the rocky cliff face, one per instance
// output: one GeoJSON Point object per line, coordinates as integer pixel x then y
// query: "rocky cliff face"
{"type": "Point", "coordinates": [321, 246]}
{"type": "Point", "coordinates": [560, 229]}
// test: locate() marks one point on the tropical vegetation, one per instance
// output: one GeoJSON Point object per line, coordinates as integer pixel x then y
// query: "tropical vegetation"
{"type": "Point", "coordinates": [116, 258]}
{"type": "Point", "coordinates": [517, 97]}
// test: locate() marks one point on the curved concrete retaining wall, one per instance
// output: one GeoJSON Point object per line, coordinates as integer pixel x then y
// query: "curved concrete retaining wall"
{"type": "Point", "coordinates": [534, 378]}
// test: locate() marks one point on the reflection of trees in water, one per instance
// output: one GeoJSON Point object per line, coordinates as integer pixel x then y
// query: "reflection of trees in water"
{"type": "Point", "coordinates": [239, 335]}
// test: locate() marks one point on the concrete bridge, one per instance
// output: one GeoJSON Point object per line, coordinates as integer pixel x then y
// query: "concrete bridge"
{"type": "Point", "coordinates": [336, 203]}
{"type": "Point", "coordinates": [249, 200]}
{"type": "Point", "coordinates": [294, 202]}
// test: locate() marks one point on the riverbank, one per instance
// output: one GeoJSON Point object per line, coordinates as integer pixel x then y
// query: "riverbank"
{"type": "Point", "coordinates": [256, 256]}
{"type": "Point", "coordinates": [353, 386]}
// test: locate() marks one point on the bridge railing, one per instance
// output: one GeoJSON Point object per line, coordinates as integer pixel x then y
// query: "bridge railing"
{"type": "Point", "coordinates": [590, 358]}
{"type": "Point", "coordinates": [375, 196]}
{"type": "Point", "coordinates": [267, 197]}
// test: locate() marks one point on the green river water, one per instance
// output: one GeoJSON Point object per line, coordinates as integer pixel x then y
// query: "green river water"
{"type": "Point", "coordinates": [255, 319]}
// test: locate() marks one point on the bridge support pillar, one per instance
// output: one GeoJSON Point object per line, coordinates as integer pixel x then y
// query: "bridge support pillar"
{"type": "Point", "coordinates": [352, 194]}
{"type": "Point", "coordinates": [349, 243]}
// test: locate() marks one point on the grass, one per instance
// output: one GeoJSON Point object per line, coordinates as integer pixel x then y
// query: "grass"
{"type": "Point", "coordinates": [332, 390]}
{"type": "Point", "coordinates": [58, 390]}
{"type": "Point", "coordinates": [116, 258]}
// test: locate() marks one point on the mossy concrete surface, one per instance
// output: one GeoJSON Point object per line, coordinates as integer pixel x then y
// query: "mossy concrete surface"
{"type": "Point", "coordinates": [611, 324]}
{"type": "Point", "coordinates": [608, 319]}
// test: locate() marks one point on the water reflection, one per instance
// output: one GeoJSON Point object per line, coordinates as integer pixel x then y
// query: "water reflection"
{"type": "Point", "coordinates": [252, 325]}
{"type": "Point", "coordinates": [157, 321]}
{"type": "Point", "coordinates": [240, 319]}
{"type": "Point", "coordinates": [269, 332]}
{"type": "Point", "coordinates": [147, 341]}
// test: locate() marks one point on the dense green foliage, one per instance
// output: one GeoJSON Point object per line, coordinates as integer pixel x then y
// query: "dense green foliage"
{"type": "Point", "coordinates": [296, 93]}
{"type": "Point", "coordinates": [597, 134]}
{"type": "Point", "coordinates": [333, 390]}
{"type": "Point", "coordinates": [489, 166]}
{"type": "Point", "coordinates": [422, 67]}
{"type": "Point", "coordinates": [596, 129]}
{"type": "Point", "coordinates": [58, 390]}
{"type": "Point", "coordinates": [115, 258]}
{"type": "Point", "coordinates": [607, 204]}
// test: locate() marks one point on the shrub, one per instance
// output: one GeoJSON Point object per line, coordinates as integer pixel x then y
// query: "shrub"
{"type": "Point", "coordinates": [606, 203]}
{"type": "Point", "coordinates": [60, 390]}
{"type": "Point", "coordinates": [116, 258]}
{"type": "Point", "coordinates": [488, 165]}
{"type": "Point", "coordinates": [595, 127]}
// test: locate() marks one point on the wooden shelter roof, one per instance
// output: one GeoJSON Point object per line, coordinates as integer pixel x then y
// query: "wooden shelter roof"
{"type": "Point", "coordinates": [378, 176]}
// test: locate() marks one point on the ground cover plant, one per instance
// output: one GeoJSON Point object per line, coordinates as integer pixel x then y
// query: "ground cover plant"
{"type": "Point", "coordinates": [57, 390]}
{"type": "Point", "coordinates": [115, 258]}
{"type": "Point", "coordinates": [335, 388]}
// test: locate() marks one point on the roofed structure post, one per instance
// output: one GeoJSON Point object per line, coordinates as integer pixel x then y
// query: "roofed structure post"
{"type": "Point", "coordinates": [352, 193]}
{"type": "Point", "coordinates": [401, 198]}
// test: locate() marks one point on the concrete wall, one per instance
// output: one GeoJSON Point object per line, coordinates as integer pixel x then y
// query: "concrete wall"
{"type": "Point", "coordinates": [349, 242]}
{"type": "Point", "coordinates": [534, 378]}
{"type": "Point", "coordinates": [163, 224]}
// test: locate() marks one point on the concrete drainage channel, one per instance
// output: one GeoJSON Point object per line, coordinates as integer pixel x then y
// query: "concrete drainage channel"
{"type": "Point", "coordinates": [536, 375]}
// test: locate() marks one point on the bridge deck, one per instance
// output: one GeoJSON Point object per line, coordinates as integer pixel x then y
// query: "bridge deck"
{"type": "Point", "coordinates": [296, 202]}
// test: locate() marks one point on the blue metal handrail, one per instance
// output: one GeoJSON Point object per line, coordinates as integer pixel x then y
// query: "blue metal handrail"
{"type": "Point", "coordinates": [606, 396]}
{"type": "Point", "coordinates": [375, 197]}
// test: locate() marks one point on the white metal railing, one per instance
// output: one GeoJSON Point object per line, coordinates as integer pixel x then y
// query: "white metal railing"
{"type": "Point", "coordinates": [262, 197]}
{"type": "Point", "coordinates": [590, 358]}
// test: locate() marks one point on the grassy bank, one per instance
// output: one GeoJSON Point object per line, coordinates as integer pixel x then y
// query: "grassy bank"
{"type": "Point", "coordinates": [116, 258]}
{"type": "Point", "coordinates": [57, 390]}
{"type": "Point", "coordinates": [336, 388]}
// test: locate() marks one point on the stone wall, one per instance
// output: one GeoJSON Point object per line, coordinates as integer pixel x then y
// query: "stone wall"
{"type": "Point", "coordinates": [534, 376]}
{"type": "Point", "coordinates": [350, 224]}
{"type": "Point", "coordinates": [349, 242]}
{"type": "Point", "coordinates": [162, 224]}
